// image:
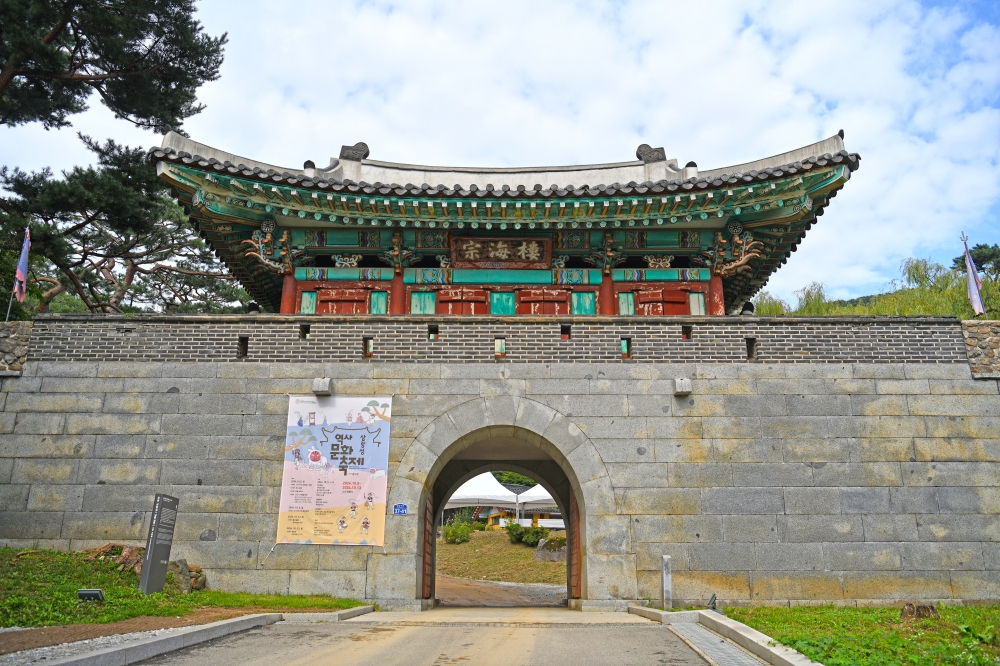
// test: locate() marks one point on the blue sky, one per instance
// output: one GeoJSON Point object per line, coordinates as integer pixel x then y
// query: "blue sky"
{"type": "Point", "coordinates": [916, 88]}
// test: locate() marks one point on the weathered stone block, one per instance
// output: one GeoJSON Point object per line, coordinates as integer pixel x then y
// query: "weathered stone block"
{"type": "Point", "coordinates": [649, 556]}
{"type": "Point", "coordinates": [951, 473]}
{"type": "Point", "coordinates": [956, 449]}
{"type": "Point", "coordinates": [140, 403]}
{"type": "Point", "coordinates": [789, 557]}
{"type": "Point", "coordinates": [729, 556]}
{"type": "Point", "coordinates": [36, 525]}
{"type": "Point", "coordinates": [976, 586]}
{"type": "Point", "coordinates": [116, 446]}
{"type": "Point", "coordinates": [197, 527]}
{"type": "Point", "coordinates": [248, 527]}
{"type": "Point", "coordinates": [902, 386]}
{"type": "Point", "coordinates": [224, 554]}
{"type": "Point", "coordinates": [124, 369]}
{"type": "Point", "coordinates": [41, 470]}
{"type": "Point", "coordinates": [950, 556]}
{"type": "Point", "coordinates": [672, 529]}
{"type": "Point", "coordinates": [46, 446]}
{"type": "Point", "coordinates": [180, 446]}
{"type": "Point", "coordinates": [227, 499]}
{"type": "Point", "coordinates": [733, 427]}
{"type": "Point", "coordinates": [813, 529]}
{"type": "Point", "coordinates": [881, 449]}
{"type": "Point", "coordinates": [771, 474]}
{"type": "Point", "coordinates": [890, 527]}
{"type": "Point", "coordinates": [679, 450]}
{"type": "Point", "coordinates": [615, 427]}
{"type": "Point", "coordinates": [344, 558]}
{"type": "Point", "coordinates": [190, 370]}
{"type": "Point", "coordinates": [695, 587]}
{"type": "Point", "coordinates": [864, 500]}
{"type": "Point", "coordinates": [106, 525]}
{"type": "Point", "coordinates": [392, 577]}
{"type": "Point", "coordinates": [211, 473]}
{"type": "Point", "coordinates": [54, 402]}
{"type": "Point", "coordinates": [879, 405]}
{"type": "Point", "coordinates": [954, 405]}
{"type": "Point", "coordinates": [112, 424]}
{"type": "Point", "coordinates": [891, 426]}
{"type": "Point", "coordinates": [692, 405]}
{"type": "Point", "coordinates": [700, 475]}
{"type": "Point", "coordinates": [662, 501]}
{"type": "Point", "coordinates": [857, 474]}
{"type": "Point", "coordinates": [816, 427]}
{"type": "Point", "coordinates": [812, 500]}
{"type": "Point", "coordinates": [6, 467]}
{"type": "Point", "coordinates": [727, 501]}
{"type": "Point", "coordinates": [611, 577]}
{"type": "Point", "coordinates": [81, 385]}
{"type": "Point", "coordinates": [863, 556]}
{"type": "Point", "coordinates": [341, 584]}
{"type": "Point", "coordinates": [746, 450]}
{"type": "Point", "coordinates": [898, 585]}
{"type": "Point", "coordinates": [33, 424]}
{"type": "Point", "coordinates": [938, 371]}
{"type": "Point", "coordinates": [961, 387]}
{"type": "Point", "coordinates": [800, 586]}
{"type": "Point", "coordinates": [201, 424]}
{"type": "Point", "coordinates": [879, 370]}
{"type": "Point", "coordinates": [254, 582]}
{"type": "Point", "coordinates": [77, 369]}
{"type": "Point", "coordinates": [750, 528]}
{"type": "Point", "coordinates": [969, 500]}
{"type": "Point", "coordinates": [953, 527]}
{"type": "Point", "coordinates": [817, 405]}
{"type": "Point", "coordinates": [93, 472]}
{"type": "Point", "coordinates": [14, 498]}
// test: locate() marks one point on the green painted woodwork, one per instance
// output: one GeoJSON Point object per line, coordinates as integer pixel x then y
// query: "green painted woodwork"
{"type": "Point", "coordinates": [423, 302]}
{"type": "Point", "coordinates": [308, 303]}
{"type": "Point", "coordinates": [502, 303]}
{"type": "Point", "coordinates": [583, 303]}
{"type": "Point", "coordinates": [626, 303]}
{"type": "Point", "coordinates": [696, 300]}
{"type": "Point", "coordinates": [342, 238]}
{"type": "Point", "coordinates": [379, 303]}
{"type": "Point", "coordinates": [500, 276]}
{"type": "Point", "coordinates": [343, 274]}
{"type": "Point", "coordinates": [661, 274]}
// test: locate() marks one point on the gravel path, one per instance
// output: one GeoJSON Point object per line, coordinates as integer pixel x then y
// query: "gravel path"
{"type": "Point", "coordinates": [53, 652]}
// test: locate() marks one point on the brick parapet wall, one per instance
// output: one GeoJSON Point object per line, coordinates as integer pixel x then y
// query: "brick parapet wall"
{"type": "Point", "coordinates": [14, 338]}
{"type": "Point", "coordinates": [464, 339]}
{"type": "Point", "coordinates": [982, 343]}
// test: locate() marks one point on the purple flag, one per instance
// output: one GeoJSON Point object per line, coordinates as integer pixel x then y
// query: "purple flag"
{"type": "Point", "coordinates": [21, 275]}
{"type": "Point", "coordinates": [975, 284]}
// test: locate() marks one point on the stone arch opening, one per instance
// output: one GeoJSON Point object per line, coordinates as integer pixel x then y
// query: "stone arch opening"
{"type": "Point", "coordinates": [605, 571]}
{"type": "Point", "coordinates": [516, 451]}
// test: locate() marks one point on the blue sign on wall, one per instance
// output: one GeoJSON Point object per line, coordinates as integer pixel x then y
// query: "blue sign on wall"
{"type": "Point", "coordinates": [399, 509]}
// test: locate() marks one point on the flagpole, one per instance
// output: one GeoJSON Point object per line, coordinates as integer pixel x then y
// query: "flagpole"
{"type": "Point", "coordinates": [9, 304]}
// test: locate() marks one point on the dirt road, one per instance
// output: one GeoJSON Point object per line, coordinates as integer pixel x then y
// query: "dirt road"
{"type": "Point", "coordinates": [465, 592]}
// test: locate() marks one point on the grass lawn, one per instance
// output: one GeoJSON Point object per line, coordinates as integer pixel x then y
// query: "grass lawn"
{"type": "Point", "coordinates": [491, 556]}
{"type": "Point", "coordinates": [38, 588]}
{"type": "Point", "coordinates": [870, 636]}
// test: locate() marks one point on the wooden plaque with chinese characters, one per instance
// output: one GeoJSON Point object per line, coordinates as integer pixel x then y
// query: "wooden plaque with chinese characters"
{"type": "Point", "coordinates": [509, 252]}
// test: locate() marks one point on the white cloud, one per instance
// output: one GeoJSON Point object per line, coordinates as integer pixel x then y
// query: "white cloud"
{"type": "Point", "coordinates": [521, 83]}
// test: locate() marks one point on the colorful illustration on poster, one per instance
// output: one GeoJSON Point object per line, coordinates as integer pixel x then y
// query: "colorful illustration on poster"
{"type": "Point", "coordinates": [333, 487]}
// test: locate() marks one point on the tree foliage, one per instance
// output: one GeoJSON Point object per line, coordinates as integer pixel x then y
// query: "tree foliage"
{"type": "Point", "coordinates": [986, 257]}
{"type": "Point", "coordinates": [110, 235]}
{"type": "Point", "coordinates": [145, 58]}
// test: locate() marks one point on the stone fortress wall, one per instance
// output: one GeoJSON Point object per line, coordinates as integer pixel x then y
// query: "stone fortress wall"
{"type": "Point", "coordinates": [852, 460]}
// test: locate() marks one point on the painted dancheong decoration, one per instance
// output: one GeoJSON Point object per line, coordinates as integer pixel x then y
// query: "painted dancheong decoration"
{"type": "Point", "coordinates": [641, 238]}
{"type": "Point", "coordinates": [333, 487]}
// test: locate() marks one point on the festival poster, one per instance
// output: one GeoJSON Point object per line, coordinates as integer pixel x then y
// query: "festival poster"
{"type": "Point", "coordinates": [333, 488]}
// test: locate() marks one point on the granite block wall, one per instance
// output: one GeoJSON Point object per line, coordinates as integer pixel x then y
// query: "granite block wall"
{"type": "Point", "coordinates": [772, 482]}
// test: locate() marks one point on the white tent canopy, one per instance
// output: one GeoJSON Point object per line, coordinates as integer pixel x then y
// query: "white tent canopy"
{"type": "Point", "coordinates": [482, 490]}
{"type": "Point", "coordinates": [535, 497]}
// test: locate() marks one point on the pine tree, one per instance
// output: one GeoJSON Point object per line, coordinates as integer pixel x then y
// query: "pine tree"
{"type": "Point", "coordinates": [144, 58]}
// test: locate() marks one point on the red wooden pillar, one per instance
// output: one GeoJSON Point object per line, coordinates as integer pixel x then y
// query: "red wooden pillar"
{"type": "Point", "coordinates": [427, 569]}
{"type": "Point", "coordinates": [397, 295]}
{"type": "Point", "coordinates": [288, 289]}
{"type": "Point", "coordinates": [607, 295]}
{"type": "Point", "coordinates": [573, 535]}
{"type": "Point", "coordinates": [716, 302]}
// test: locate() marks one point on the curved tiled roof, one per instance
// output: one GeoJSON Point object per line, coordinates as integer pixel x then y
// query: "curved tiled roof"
{"type": "Point", "coordinates": [760, 171]}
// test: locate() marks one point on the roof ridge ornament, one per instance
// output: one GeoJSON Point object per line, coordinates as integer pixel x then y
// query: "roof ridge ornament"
{"type": "Point", "coordinates": [648, 154]}
{"type": "Point", "coordinates": [355, 153]}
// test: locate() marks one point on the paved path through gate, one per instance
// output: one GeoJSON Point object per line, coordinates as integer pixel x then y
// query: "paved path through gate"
{"type": "Point", "coordinates": [489, 636]}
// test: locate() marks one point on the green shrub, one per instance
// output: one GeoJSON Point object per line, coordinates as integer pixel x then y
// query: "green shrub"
{"type": "Point", "coordinates": [533, 535]}
{"type": "Point", "coordinates": [514, 532]}
{"type": "Point", "coordinates": [458, 533]}
{"type": "Point", "coordinates": [478, 526]}
{"type": "Point", "coordinates": [555, 543]}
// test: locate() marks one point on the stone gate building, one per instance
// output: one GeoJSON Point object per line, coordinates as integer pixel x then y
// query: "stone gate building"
{"type": "Point", "coordinates": [852, 460]}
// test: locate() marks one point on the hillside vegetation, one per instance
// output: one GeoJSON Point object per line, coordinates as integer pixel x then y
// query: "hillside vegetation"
{"type": "Point", "coordinates": [924, 288]}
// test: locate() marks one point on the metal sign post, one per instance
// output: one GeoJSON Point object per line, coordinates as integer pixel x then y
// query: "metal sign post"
{"type": "Point", "coordinates": [161, 536]}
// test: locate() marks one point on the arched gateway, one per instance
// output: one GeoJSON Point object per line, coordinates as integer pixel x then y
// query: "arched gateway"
{"type": "Point", "coordinates": [524, 435]}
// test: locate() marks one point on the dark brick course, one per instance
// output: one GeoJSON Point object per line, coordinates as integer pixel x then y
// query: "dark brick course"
{"type": "Point", "coordinates": [466, 339]}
